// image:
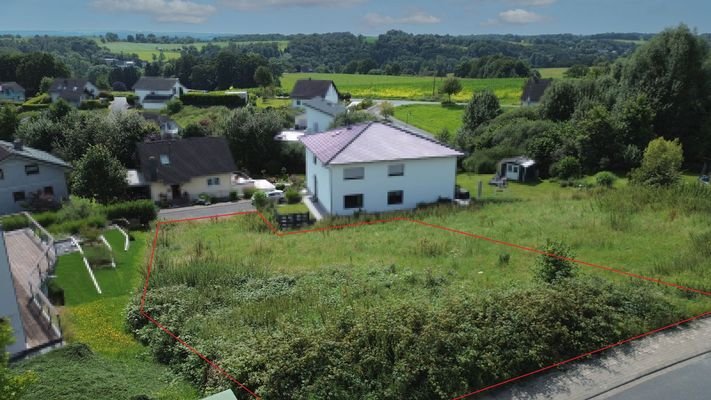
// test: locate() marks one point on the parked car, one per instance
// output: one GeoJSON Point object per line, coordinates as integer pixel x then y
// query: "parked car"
{"type": "Point", "coordinates": [276, 196]}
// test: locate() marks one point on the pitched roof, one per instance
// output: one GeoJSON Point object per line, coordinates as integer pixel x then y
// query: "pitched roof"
{"type": "Point", "coordinates": [311, 88]}
{"type": "Point", "coordinates": [7, 149]}
{"type": "Point", "coordinates": [373, 142]}
{"type": "Point", "coordinates": [325, 107]}
{"type": "Point", "coordinates": [68, 85]}
{"type": "Point", "coordinates": [11, 85]}
{"type": "Point", "coordinates": [520, 160]}
{"type": "Point", "coordinates": [534, 89]}
{"type": "Point", "coordinates": [177, 161]}
{"type": "Point", "coordinates": [155, 83]}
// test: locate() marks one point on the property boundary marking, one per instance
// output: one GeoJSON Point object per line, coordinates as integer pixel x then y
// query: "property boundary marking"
{"type": "Point", "coordinates": [278, 233]}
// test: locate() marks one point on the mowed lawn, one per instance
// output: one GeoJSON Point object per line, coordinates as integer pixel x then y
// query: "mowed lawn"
{"type": "Point", "coordinates": [431, 118]}
{"type": "Point", "coordinates": [508, 90]}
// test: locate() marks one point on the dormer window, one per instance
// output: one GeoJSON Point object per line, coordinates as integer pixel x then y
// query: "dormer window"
{"type": "Point", "coordinates": [164, 159]}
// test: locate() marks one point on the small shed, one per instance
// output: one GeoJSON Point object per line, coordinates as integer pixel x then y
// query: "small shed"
{"type": "Point", "coordinates": [518, 169]}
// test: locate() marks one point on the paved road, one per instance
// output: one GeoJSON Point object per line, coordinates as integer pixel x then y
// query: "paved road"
{"type": "Point", "coordinates": [688, 380]}
{"type": "Point", "coordinates": [616, 368]}
{"type": "Point", "coordinates": [205, 211]}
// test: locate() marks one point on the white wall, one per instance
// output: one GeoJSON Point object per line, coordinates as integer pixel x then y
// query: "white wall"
{"type": "Point", "coordinates": [195, 187]}
{"type": "Point", "coordinates": [316, 121]}
{"type": "Point", "coordinates": [322, 178]}
{"type": "Point", "coordinates": [8, 301]}
{"type": "Point", "coordinates": [424, 181]}
{"type": "Point", "coordinates": [331, 95]}
{"type": "Point", "coordinates": [16, 180]}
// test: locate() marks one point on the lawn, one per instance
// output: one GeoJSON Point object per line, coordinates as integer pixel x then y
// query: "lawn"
{"type": "Point", "coordinates": [555, 73]}
{"type": "Point", "coordinates": [298, 208]}
{"type": "Point", "coordinates": [431, 118]}
{"type": "Point", "coordinates": [411, 87]}
{"type": "Point", "coordinates": [193, 115]}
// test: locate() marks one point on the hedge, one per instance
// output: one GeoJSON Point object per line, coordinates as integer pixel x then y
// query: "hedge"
{"type": "Point", "coordinates": [14, 222]}
{"type": "Point", "coordinates": [212, 99]}
{"type": "Point", "coordinates": [93, 105]}
{"type": "Point", "coordinates": [142, 210]}
{"type": "Point", "coordinates": [34, 107]}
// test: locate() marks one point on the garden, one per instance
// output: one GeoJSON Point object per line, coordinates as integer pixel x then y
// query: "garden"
{"type": "Point", "coordinates": [403, 310]}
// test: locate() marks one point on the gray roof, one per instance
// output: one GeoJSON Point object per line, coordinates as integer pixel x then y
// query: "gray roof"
{"type": "Point", "coordinates": [7, 149]}
{"type": "Point", "coordinates": [155, 83]}
{"type": "Point", "coordinates": [373, 142]}
{"type": "Point", "coordinates": [519, 160]}
{"type": "Point", "coordinates": [11, 85]}
{"type": "Point", "coordinates": [325, 107]}
{"type": "Point", "coordinates": [311, 88]}
{"type": "Point", "coordinates": [68, 85]}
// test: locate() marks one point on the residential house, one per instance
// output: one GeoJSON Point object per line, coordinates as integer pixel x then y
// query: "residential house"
{"type": "Point", "coordinates": [11, 91]}
{"type": "Point", "coordinates": [26, 172]}
{"type": "Point", "coordinates": [73, 91]}
{"type": "Point", "coordinates": [309, 89]}
{"type": "Point", "coordinates": [533, 91]}
{"type": "Point", "coordinates": [377, 167]}
{"type": "Point", "coordinates": [226, 395]}
{"type": "Point", "coordinates": [178, 171]}
{"type": "Point", "coordinates": [168, 127]}
{"type": "Point", "coordinates": [9, 309]}
{"type": "Point", "coordinates": [155, 92]}
{"type": "Point", "coordinates": [517, 169]}
{"type": "Point", "coordinates": [319, 115]}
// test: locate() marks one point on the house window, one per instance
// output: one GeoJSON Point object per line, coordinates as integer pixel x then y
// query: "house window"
{"type": "Point", "coordinates": [213, 181]}
{"type": "Point", "coordinates": [395, 197]}
{"type": "Point", "coordinates": [31, 169]}
{"type": "Point", "coordinates": [18, 196]}
{"type": "Point", "coordinates": [298, 102]}
{"type": "Point", "coordinates": [353, 173]}
{"type": "Point", "coordinates": [314, 160]}
{"type": "Point", "coordinates": [164, 159]}
{"type": "Point", "coordinates": [353, 201]}
{"type": "Point", "coordinates": [2, 174]}
{"type": "Point", "coordinates": [396, 170]}
{"type": "Point", "coordinates": [49, 191]}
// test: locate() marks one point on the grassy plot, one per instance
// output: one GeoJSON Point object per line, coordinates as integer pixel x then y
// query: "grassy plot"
{"type": "Point", "coordinates": [431, 118]}
{"type": "Point", "coordinates": [193, 115]}
{"type": "Point", "coordinates": [555, 73]}
{"type": "Point", "coordinates": [147, 51]}
{"type": "Point", "coordinates": [508, 90]}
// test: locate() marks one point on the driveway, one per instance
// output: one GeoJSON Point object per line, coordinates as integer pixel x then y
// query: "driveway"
{"type": "Point", "coordinates": [205, 211]}
{"type": "Point", "coordinates": [119, 104]}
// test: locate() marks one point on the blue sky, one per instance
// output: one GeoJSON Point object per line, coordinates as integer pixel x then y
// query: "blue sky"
{"type": "Point", "coordinates": [358, 16]}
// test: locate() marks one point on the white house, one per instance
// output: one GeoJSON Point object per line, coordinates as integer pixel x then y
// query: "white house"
{"type": "Point", "coordinates": [319, 115]}
{"type": "Point", "coordinates": [377, 167]}
{"type": "Point", "coordinates": [73, 91]}
{"type": "Point", "coordinates": [27, 172]}
{"type": "Point", "coordinates": [155, 92]}
{"type": "Point", "coordinates": [179, 171]}
{"type": "Point", "coordinates": [9, 309]}
{"type": "Point", "coordinates": [309, 89]}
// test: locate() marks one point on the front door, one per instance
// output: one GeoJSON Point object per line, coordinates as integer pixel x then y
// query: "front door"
{"type": "Point", "coordinates": [175, 190]}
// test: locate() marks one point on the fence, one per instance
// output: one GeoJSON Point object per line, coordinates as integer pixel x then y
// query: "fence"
{"type": "Point", "coordinates": [291, 221]}
{"type": "Point", "coordinates": [46, 262]}
{"type": "Point", "coordinates": [48, 311]}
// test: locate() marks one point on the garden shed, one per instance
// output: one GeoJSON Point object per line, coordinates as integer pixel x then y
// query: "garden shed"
{"type": "Point", "coordinates": [518, 169]}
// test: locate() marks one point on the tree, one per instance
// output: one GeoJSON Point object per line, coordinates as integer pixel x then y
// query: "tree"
{"type": "Point", "coordinates": [555, 265]}
{"type": "Point", "coordinates": [99, 175]}
{"type": "Point", "coordinates": [45, 84]}
{"type": "Point", "coordinates": [559, 100]}
{"type": "Point", "coordinates": [599, 145]}
{"type": "Point", "coordinates": [8, 122]}
{"type": "Point", "coordinates": [12, 386]}
{"type": "Point", "coordinates": [661, 165]}
{"type": "Point", "coordinates": [351, 118]}
{"type": "Point", "coordinates": [263, 76]}
{"type": "Point", "coordinates": [577, 71]}
{"type": "Point", "coordinates": [174, 106]}
{"type": "Point", "coordinates": [450, 86]}
{"type": "Point", "coordinates": [387, 110]}
{"type": "Point", "coordinates": [35, 66]}
{"type": "Point", "coordinates": [111, 37]}
{"type": "Point", "coordinates": [483, 107]}
{"type": "Point", "coordinates": [58, 110]}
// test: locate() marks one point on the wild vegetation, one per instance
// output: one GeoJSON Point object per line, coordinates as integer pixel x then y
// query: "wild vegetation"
{"type": "Point", "coordinates": [341, 311]}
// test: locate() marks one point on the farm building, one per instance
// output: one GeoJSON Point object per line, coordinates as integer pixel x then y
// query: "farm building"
{"type": "Point", "coordinates": [533, 91]}
{"type": "Point", "coordinates": [377, 167]}
{"type": "Point", "coordinates": [518, 169]}
{"type": "Point", "coordinates": [155, 92]}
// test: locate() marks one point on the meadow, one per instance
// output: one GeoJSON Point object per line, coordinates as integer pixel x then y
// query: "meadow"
{"type": "Point", "coordinates": [151, 51]}
{"type": "Point", "coordinates": [341, 311]}
{"type": "Point", "coordinates": [432, 118]}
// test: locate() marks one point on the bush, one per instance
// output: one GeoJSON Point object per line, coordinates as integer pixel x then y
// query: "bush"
{"type": "Point", "coordinates": [34, 107]}
{"type": "Point", "coordinates": [131, 99]}
{"type": "Point", "coordinates": [174, 106]}
{"type": "Point", "coordinates": [567, 168]}
{"type": "Point", "coordinates": [480, 162]}
{"type": "Point", "coordinates": [14, 222]}
{"type": "Point", "coordinates": [119, 86]}
{"type": "Point", "coordinates": [106, 95]}
{"type": "Point", "coordinates": [143, 210]}
{"type": "Point", "coordinates": [280, 186]}
{"type": "Point", "coordinates": [605, 179]}
{"type": "Point", "coordinates": [249, 192]}
{"type": "Point", "coordinates": [292, 196]}
{"type": "Point", "coordinates": [47, 218]}
{"type": "Point", "coordinates": [260, 200]}
{"type": "Point", "coordinates": [661, 165]}
{"type": "Point", "coordinates": [555, 266]}
{"type": "Point", "coordinates": [93, 105]}
{"type": "Point", "coordinates": [212, 99]}
{"type": "Point", "coordinates": [55, 293]}
{"type": "Point", "coordinates": [98, 255]}
{"type": "Point", "coordinates": [234, 196]}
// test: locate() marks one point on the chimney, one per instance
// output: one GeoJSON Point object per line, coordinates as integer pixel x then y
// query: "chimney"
{"type": "Point", "coordinates": [17, 144]}
{"type": "Point", "coordinates": [152, 169]}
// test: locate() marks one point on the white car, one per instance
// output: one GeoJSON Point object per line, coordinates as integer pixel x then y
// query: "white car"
{"type": "Point", "coordinates": [276, 196]}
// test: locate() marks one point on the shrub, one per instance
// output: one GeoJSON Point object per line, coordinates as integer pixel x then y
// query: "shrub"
{"type": "Point", "coordinates": [605, 179]}
{"type": "Point", "coordinates": [55, 293]}
{"type": "Point", "coordinates": [143, 210]}
{"type": "Point", "coordinates": [174, 106]}
{"type": "Point", "coordinates": [47, 218]}
{"type": "Point", "coordinates": [93, 105]}
{"type": "Point", "coordinates": [14, 222]}
{"type": "Point", "coordinates": [119, 86]}
{"type": "Point", "coordinates": [661, 165]}
{"type": "Point", "coordinates": [280, 186]}
{"type": "Point", "coordinates": [249, 192]}
{"type": "Point", "coordinates": [131, 99]}
{"type": "Point", "coordinates": [234, 196]}
{"type": "Point", "coordinates": [260, 200]}
{"type": "Point", "coordinates": [567, 168]}
{"type": "Point", "coordinates": [89, 233]}
{"type": "Point", "coordinates": [292, 196]}
{"type": "Point", "coordinates": [554, 266]}
{"type": "Point", "coordinates": [98, 256]}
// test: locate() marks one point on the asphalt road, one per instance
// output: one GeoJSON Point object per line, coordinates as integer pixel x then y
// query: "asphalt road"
{"type": "Point", "coordinates": [688, 380]}
{"type": "Point", "coordinates": [205, 211]}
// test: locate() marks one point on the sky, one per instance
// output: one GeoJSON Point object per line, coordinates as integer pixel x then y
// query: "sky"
{"type": "Point", "coordinates": [368, 17]}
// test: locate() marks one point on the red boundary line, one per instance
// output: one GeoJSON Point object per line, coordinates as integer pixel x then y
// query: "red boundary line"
{"type": "Point", "coordinates": [383, 221]}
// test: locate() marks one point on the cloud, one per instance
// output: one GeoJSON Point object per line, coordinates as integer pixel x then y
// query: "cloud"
{"type": "Point", "coordinates": [516, 17]}
{"type": "Point", "coordinates": [251, 5]}
{"type": "Point", "coordinates": [161, 10]}
{"type": "Point", "coordinates": [414, 18]}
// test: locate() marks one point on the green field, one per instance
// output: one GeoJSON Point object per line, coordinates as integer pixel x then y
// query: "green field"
{"type": "Point", "coordinates": [410, 309]}
{"type": "Point", "coordinates": [146, 51]}
{"type": "Point", "coordinates": [431, 118]}
{"type": "Point", "coordinates": [410, 87]}
{"type": "Point", "coordinates": [555, 73]}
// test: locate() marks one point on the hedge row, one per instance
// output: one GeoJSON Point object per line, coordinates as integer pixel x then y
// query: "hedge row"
{"type": "Point", "coordinates": [142, 210]}
{"type": "Point", "coordinates": [93, 105]}
{"type": "Point", "coordinates": [212, 99]}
